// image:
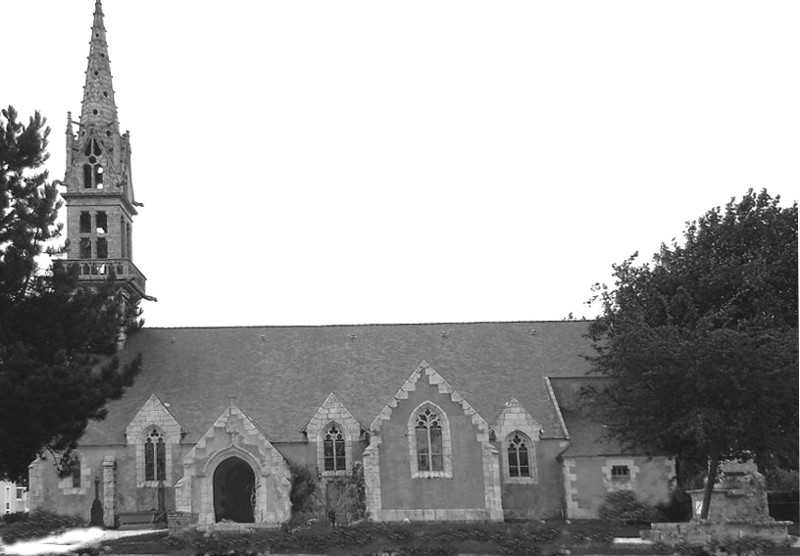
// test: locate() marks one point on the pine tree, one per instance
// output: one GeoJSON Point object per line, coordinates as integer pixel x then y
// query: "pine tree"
{"type": "Point", "coordinates": [57, 340]}
{"type": "Point", "coordinates": [703, 342]}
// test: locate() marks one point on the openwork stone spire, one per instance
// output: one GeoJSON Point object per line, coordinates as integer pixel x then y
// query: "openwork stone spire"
{"type": "Point", "coordinates": [99, 110]}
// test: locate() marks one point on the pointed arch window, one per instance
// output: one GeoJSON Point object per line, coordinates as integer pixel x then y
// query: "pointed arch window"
{"type": "Point", "coordinates": [429, 442]}
{"type": "Point", "coordinates": [518, 460]}
{"type": "Point", "coordinates": [155, 457]}
{"type": "Point", "coordinates": [334, 455]}
{"type": "Point", "coordinates": [430, 454]}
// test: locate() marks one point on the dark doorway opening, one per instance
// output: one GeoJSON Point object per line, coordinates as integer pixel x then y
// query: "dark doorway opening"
{"type": "Point", "coordinates": [234, 487]}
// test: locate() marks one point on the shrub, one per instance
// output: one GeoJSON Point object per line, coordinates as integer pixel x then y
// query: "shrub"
{"type": "Point", "coordinates": [40, 524]}
{"type": "Point", "coordinates": [15, 517]}
{"type": "Point", "coordinates": [304, 488]}
{"type": "Point", "coordinates": [623, 507]}
{"type": "Point", "coordinates": [679, 507]}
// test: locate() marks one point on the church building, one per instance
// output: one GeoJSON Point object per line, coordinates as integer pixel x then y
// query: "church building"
{"type": "Point", "coordinates": [445, 421]}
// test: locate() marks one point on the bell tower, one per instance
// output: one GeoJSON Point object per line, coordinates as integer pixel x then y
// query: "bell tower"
{"type": "Point", "coordinates": [99, 197]}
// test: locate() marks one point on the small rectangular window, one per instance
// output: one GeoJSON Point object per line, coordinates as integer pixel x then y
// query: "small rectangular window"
{"type": "Point", "coordinates": [101, 221]}
{"type": "Point", "coordinates": [620, 473]}
{"type": "Point", "coordinates": [20, 493]}
{"type": "Point", "coordinates": [76, 474]}
{"type": "Point", "coordinates": [102, 248]}
{"type": "Point", "coordinates": [86, 223]}
{"type": "Point", "coordinates": [86, 248]}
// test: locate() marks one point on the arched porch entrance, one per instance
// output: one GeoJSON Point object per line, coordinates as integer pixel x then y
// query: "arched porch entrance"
{"type": "Point", "coordinates": [234, 491]}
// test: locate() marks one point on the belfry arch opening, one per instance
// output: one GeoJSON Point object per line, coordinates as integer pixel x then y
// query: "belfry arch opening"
{"type": "Point", "coordinates": [234, 491]}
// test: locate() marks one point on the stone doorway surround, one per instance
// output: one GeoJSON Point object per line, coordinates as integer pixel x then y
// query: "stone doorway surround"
{"type": "Point", "coordinates": [235, 435]}
{"type": "Point", "coordinates": [234, 491]}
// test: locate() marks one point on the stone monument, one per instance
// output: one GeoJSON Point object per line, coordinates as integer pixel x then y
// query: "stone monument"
{"type": "Point", "coordinates": [738, 510]}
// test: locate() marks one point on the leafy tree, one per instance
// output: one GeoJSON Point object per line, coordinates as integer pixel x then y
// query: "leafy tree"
{"type": "Point", "coordinates": [57, 340]}
{"type": "Point", "coordinates": [703, 342]}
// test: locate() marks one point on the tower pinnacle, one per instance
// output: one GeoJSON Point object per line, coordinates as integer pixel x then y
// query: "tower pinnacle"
{"type": "Point", "coordinates": [98, 108]}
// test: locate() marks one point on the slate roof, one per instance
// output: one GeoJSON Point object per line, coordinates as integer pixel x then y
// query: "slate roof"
{"type": "Point", "coordinates": [281, 375]}
{"type": "Point", "coordinates": [588, 433]}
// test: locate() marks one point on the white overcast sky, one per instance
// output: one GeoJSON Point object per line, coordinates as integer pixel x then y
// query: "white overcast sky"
{"type": "Point", "coordinates": [330, 162]}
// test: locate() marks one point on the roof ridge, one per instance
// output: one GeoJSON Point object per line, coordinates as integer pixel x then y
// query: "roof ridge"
{"type": "Point", "coordinates": [364, 325]}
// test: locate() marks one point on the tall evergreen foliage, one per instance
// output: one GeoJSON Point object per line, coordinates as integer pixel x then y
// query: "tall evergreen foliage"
{"type": "Point", "coordinates": [703, 341]}
{"type": "Point", "coordinates": [57, 368]}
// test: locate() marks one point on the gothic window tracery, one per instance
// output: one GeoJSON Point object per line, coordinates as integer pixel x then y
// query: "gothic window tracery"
{"type": "Point", "coordinates": [430, 450]}
{"type": "Point", "coordinates": [92, 169]}
{"type": "Point", "coordinates": [334, 456]}
{"type": "Point", "coordinates": [155, 457]}
{"type": "Point", "coordinates": [518, 458]}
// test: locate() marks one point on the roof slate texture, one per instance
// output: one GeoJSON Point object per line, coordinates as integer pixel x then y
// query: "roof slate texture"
{"type": "Point", "coordinates": [281, 375]}
{"type": "Point", "coordinates": [588, 433]}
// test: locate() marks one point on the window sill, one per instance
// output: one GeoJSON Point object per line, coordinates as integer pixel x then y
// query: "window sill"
{"type": "Point", "coordinates": [336, 473]}
{"type": "Point", "coordinates": [154, 484]}
{"type": "Point", "coordinates": [73, 491]}
{"type": "Point", "coordinates": [519, 480]}
{"type": "Point", "coordinates": [431, 474]}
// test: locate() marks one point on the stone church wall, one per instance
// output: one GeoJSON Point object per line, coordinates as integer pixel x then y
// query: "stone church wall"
{"type": "Point", "coordinates": [542, 499]}
{"type": "Point", "coordinates": [587, 481]}
{"type": "Point", "coordinates": [60, 495]}
{"type": "Point", "coordinates": [465, 490]}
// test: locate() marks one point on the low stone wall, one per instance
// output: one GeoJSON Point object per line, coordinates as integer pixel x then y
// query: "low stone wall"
{"type": "Point", "coordinates": [698, 532]}
{"type": "Point", "coordinates": [177, 521]}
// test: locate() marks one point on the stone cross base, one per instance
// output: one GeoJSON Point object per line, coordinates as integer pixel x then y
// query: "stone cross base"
{"type": "Point", "coordinates": [698, 532]}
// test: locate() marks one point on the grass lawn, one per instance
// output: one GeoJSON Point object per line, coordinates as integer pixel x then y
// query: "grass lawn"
{"type": "Point", "coordinates": [575, 538]}
{"type": "Point", "coordinates": [542, 538]}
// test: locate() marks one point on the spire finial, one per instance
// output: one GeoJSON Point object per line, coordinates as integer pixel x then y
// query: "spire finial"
{"type": "Point", "coordinates": [99, 109]}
